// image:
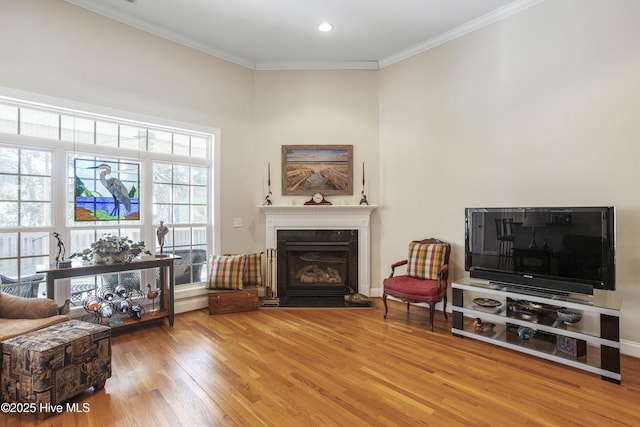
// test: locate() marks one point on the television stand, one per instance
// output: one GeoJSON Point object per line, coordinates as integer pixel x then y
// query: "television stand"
{"type": "Point", "coordinates": [591, 344]}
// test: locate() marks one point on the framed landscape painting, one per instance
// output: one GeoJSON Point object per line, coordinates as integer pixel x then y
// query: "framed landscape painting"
{"type": "Point", "coordinates": [309, 169]}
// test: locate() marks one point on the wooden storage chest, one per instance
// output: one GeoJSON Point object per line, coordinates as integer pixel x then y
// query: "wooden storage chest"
{"type": "Point", "coordinates": [233, 301]}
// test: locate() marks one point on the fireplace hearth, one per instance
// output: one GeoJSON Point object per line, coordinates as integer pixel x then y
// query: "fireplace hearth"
{"type": "Point", "coordinates": [317, 263]}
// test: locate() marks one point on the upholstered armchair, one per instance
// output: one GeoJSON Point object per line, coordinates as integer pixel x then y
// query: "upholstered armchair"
{"type": "Point", "coordinates": [425, 278]}
{"type": "Point", "coordinates": [21, 315]}
{"type": "Point", "coordinates": [28, 287]}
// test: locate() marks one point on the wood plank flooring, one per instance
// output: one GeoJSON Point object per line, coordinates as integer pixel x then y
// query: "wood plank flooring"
{"type": "Point", "coordinates": [337, 367]}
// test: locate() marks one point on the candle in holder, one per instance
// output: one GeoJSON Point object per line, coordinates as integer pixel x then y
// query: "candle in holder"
{"type": "Point", "coordinates": [363, 174]}
{"type": "Point", "coordinates": [269, 174]}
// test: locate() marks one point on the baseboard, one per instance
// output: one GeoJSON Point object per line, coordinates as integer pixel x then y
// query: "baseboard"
{"type": "Point", "coordinates": [630, 348]}
{"type": "Point", "coordinates": [191, 304]}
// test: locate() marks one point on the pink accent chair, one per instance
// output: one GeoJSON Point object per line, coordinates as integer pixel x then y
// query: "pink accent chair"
{"type": "Point", "coordinates": [425, 279]}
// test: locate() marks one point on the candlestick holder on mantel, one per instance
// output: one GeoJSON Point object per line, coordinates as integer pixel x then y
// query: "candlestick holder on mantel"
{"type": "Point", "coordinates": [267, 198]}
{"type": "Point", "coordinates": [363, 197]}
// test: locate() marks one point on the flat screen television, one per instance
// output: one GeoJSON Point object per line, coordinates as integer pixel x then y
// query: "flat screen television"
{"type": "Point", "coordinates": [561, 249]}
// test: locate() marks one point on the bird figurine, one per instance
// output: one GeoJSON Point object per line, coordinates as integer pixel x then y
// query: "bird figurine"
{"type": "Point", "coordinates": [478, 324]}
{"type": "Point", "coordinates": [64, 308]}
{"type": "Point", "coordinates": [152, 295]}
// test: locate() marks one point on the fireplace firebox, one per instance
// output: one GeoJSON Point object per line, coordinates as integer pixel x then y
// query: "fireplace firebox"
{"type": "Point", "coordinates": [317, 263]}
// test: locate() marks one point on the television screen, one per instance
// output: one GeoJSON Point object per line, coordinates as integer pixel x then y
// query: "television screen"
{"type": "Point", "coordinates": [567, 249]}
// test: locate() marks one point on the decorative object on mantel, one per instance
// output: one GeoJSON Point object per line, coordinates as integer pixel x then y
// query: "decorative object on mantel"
{"type": "Point", "coordinates": [363, 198]}
{"type": "Point", "coordinates": [308, 169]}
{"type": "Point", "coordinates": [317, 199]}
{"type": "Point", "coordinates": [267, 199]}
{"type": "Point", "coordinates": [161, 232]}
{"type": "Point", "coordinates": [111, 249]}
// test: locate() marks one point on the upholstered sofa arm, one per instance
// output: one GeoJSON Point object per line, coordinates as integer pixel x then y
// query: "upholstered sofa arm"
{"type": "Point", "coordinates": [396, 265]}
{"type": "Point", "coordinates": [13, 307]}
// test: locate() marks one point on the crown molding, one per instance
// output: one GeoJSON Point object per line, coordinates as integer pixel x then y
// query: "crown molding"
{"type": "Point", "coordinates": [497, 15]}
{"type": "Point", "coordinates": [330, 65]}
{"type": "Point", "coordinates": [162, 32]}
{"type": "Point", "coordinates": [476, 24]}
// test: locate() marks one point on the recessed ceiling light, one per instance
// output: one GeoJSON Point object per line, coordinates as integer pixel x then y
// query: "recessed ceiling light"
{"type": "Point", "coordinates": [325, 27]}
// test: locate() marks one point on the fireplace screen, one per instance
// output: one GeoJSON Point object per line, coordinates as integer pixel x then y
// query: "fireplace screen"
{"type": "Point", "coordinates": [314, 265]}
{"type": "Point", "coordinates": [317, 263]}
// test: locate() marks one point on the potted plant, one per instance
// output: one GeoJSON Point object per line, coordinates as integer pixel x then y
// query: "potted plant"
{"type": "Point", "coordinates": [110, 249]}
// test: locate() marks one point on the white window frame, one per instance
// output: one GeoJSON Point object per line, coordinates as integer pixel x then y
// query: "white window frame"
{"type": "Point", "coordinates": [61, 149]}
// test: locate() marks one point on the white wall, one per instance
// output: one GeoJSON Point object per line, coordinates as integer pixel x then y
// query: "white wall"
{"type": "Point", "coordinates": [318, 107]}
{"type": "Point", "coordinates": [56, 49]}
{"type": "Point", "coordinates": [539, 109]}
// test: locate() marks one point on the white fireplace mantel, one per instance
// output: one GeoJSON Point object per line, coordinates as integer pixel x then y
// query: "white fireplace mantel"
{"type": "Point", "coordinates": [332, 217]}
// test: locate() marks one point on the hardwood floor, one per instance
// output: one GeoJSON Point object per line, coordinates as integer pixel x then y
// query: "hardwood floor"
{"type": "Point", "coordinates": [337, 367]}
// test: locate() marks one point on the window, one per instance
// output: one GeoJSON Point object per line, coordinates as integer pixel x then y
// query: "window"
{"type": "Point", "coordinates": [20, 254]}
{"type": "Point", "coordinates": [25, 203]}
{"type": "Point", "coordinates": [39, 145]}
{"type": "Point", "coordinates": [181, 198]}
{"type": "Point", "coordinates": [25, 188]}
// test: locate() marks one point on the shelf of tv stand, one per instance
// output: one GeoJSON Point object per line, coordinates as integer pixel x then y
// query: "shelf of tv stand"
{"type": "Point", "coordinates": [599, 328]}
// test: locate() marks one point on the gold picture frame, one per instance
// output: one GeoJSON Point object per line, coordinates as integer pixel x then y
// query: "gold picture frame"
{"type": "Point", "coordinates": [310, 169]}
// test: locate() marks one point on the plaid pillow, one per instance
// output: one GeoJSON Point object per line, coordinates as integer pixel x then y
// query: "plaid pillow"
{"type": "Point", "coordinates": [226, 272]}
{"type": "Point", "coordinates": [252, 274]}
{"type": "Point", "coordinates": [425, 260]}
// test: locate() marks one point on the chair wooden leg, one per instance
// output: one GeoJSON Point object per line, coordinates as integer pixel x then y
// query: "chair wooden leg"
{"type": "Point", "coordinates": [384, 300]}
{"type": "Point", "coordinates": [432, 311]}
{"type": "Point", "coordinates": [444, 306]}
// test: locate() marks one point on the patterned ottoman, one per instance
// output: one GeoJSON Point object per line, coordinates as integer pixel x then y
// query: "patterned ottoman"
{"type": "Point", "coordinates": [56, 363]}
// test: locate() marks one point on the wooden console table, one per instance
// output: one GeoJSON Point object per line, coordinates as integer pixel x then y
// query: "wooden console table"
{"type": "Point", "coordinates": [165, 264]}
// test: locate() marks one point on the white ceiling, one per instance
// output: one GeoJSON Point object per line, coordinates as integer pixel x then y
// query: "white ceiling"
{"type": "Point", "coordinates": [283, 34]}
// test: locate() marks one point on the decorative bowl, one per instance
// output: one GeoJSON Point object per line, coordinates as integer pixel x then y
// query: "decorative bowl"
{"type": "Point", "coordinates": [487, 328]}
{"type": "Point", "coordinates": [568, 316]}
